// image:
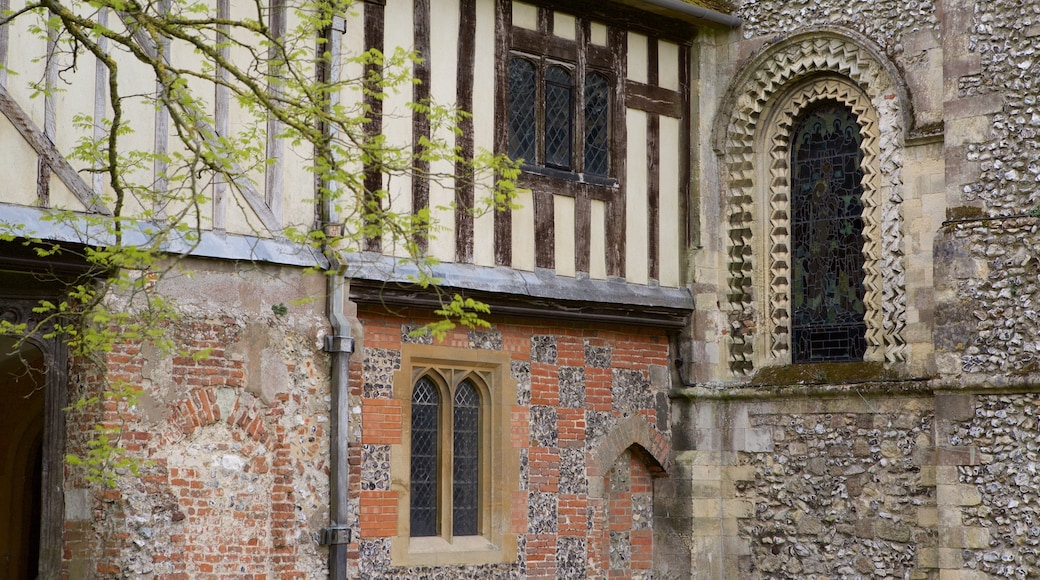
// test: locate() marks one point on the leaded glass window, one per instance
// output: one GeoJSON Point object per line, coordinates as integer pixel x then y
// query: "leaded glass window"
{"type": "Point", "coordinates": [597, 91]}
{"type": "Point", "coordinates": [522, 97]}
{"type": "Point", "coordinates": [458, 427]}
{"type": "Point", "coordinates": [544, 113]}
{"type": "Point", "coordinates": [558, 122]}
{"type": "Point", "coordinates": [425, 432]}
{"type": "Point", "coordinates": [827, 319]}
{"type": "Point", "coordinates": [466, 460]}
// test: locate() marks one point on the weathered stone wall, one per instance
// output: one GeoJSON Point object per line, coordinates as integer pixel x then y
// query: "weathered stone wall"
{"type": "Point", "coordinates": [1005, 38]}
{"type": "Point", "coordinates": [841, 493]}
{"type": "Point", "coordinates": [583, 507]}
{"type": "Point", "coordinates": [1005, 433]}
{"type": "Point", "coordinates": [986, 267]}
{"type": "Point", "coordinates": [810, 486]}
{"type": "Point", "coordinates": [884, 21]}
{"type": "Point", "coordinates": [990, 329]}
{"type": "Point", "coordinates": [232, 446]}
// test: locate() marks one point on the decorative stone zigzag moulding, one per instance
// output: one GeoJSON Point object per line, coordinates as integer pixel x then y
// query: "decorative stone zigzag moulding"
{"type": "Point", "coordinates": [752, 141]}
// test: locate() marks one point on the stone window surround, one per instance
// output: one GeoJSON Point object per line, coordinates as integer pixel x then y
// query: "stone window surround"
{"type": "Point", "coordinates": [752, 137]}
{"type": "Point", "coordinates": [499, 461]}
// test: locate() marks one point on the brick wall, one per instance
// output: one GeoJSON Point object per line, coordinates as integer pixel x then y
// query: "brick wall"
{"type": "Point", "coordinates": [232, 448]}
{"type": "Point", "coordinates": [588, 403]}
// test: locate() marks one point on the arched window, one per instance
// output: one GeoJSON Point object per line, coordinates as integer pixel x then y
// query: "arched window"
{"type": "Point", "coordinates": [425, 428]}
{"type": "Point", "coordinates": [454, 468]}
{"type": "Point", "coordinates": [827, 261]}
{"type": "Point", "coordinates": [445, 441]}
{"type": "Point", "coordinates": [466, 461]}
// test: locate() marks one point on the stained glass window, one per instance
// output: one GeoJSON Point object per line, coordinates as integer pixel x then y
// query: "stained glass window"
{"type": "Point", "coordinates": [827, 290]}
{"type": "Point", "coordinates": [522, 143]}
{"type": "Point", "coordinates": [558, 102]}
{"type": "Point", "coordinates": [597, 92]}
{"type": "Point", "coordinates": [425, 424]}
{"type": "Point", "coordinates": [466, 461]}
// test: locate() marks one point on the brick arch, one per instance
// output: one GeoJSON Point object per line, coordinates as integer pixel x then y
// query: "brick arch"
{"type": "Point", "coordinates": [207, 406]}
{"type": "Point", "coordinates": [749, 136]}
{"type": "Point", "coordinates": [631, 433]}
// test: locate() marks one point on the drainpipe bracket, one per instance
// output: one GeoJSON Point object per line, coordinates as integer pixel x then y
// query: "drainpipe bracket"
{"type": "Point", "coordinates": [334, 535]}
{"type": "Point", "coordinates": [339, 343]}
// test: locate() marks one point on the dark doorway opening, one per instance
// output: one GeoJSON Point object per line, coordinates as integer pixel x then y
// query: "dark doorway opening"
{"type": "Point", "coordinates": [22, 410]}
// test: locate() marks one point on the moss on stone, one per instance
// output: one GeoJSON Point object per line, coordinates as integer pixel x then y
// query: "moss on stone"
{"type": "Point", "coordinates": [845, 372]}
{"type": "Point", "coordinates": [964, 212]}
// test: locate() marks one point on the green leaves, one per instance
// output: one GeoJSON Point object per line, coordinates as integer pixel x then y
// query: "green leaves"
{"type": "Point", "coordinates": [176, 63]}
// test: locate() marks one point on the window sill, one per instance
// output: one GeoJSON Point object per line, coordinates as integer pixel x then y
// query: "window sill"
{"type": "Point", "coordinates": [438, 551]}
{"type": "Point", "coordinates": [561, 174]}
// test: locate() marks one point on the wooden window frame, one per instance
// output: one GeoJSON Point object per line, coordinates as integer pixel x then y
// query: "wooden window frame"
{"type": "Point", "coordinates": [448, 367]}
{"type": "Point", "coordinates": [544, 49]}
{"type": "Point", "coordinates": [576, 173]}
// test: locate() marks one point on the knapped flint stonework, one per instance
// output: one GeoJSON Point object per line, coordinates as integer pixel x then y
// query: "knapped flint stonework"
{"type": "Point", "coordinates": [839, 497]}
{"type": "Point", "coordinates": [884, 21]}
{"type": "Point", "coordinates": [996, 281]}
{"type": "Point", "coordinates": [1005, 36]}
{"type": "Point", "coordinates": [1006, 432]}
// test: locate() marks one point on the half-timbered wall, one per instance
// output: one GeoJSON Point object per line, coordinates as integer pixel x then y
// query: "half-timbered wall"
{"type": "Point", "coordinates": [628, 224]}
{"type": "Point", "coordinates": [48, 99]}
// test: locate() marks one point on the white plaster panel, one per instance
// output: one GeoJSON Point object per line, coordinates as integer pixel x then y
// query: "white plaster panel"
{"type": "Point", "coordinates": [18, 186]}
{"type": "Point", "coordinates": [670, 241]}
{"type": "Point", "coordinates": [668, 65]}
{"type": "Point", "coordinates": [598, 242]}
{"type": "Point", "coordinates": [523, 232]}
{"type": "Point", "coordinates": [598, 34]}
{"type": "Point", "coordinates": [636, 246]}
{"type": "Point", "coordinates": [444, 26]}
{"type": "Point", "coordinates": [564, 25]}
{"type": "Point", "coordinates": [484, 126]}
{"type": "Point", "coordinates": [24, 48]}
{"type": "Point", "coordinates": [525, 16]}
{"type": "Point", "coordinates": [397, 118]}
{"type": "Point", "coordinates": [637, 57]}
{"type": "Point", "coordinates": [564, 218]}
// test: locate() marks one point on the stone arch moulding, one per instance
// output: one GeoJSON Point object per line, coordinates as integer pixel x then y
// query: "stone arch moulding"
{"type": "Point", "coordinates": [633, 431]}
{"type": "Point", "coordinates": [750, 137]}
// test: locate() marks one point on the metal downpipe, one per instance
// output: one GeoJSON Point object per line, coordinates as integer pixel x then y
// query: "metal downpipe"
{"type": "Point", "coordinates": [339, 344]}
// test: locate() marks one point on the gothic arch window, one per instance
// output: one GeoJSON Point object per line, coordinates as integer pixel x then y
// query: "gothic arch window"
{"type": "Point", "coordinates": [445, 459]}
{"type": "Point", "coordinates": [455, 466]}
{"type": "Point", "coordinates": [827, 273]}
